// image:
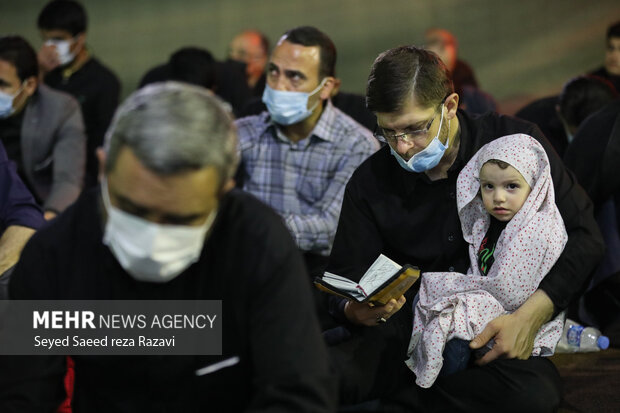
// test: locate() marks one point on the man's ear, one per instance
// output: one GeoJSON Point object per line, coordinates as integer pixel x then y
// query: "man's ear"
{"type": "Point", "coordinates": [80, 42]}
{"type": "Point", "coordinates": [101, 158]}
{"type": "Point", "coordinates": [228, 185]}
{"type": "Point", "coordinates": [336, 88]}
{"type": "Point", "coordinates": [330, 84]}
{"type": "Point", "coordinates": [30, 85]}
{"type": "Point", "coordinates": [452, 104]}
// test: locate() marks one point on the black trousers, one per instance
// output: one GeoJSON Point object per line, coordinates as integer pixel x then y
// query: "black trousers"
{"type": "Point", "coordinates": [370, 365]}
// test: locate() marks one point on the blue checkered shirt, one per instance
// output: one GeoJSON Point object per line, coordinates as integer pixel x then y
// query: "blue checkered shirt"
{"type": "Point", "coordinates": [304, 181]}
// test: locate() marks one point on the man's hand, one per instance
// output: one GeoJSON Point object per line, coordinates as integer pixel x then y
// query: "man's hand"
{"type": "Point", "coordinates": [48, 58]}
{"type": "Point", "coordinates": [11, 244]}
{"type": "Point", "coordinates": [514, 333]}
{"type": "Point", "coordinates": [371, 315]}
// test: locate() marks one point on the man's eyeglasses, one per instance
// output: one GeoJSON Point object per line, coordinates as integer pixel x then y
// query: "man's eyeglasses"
{"type": "Point", "coordinates": [411, 137]}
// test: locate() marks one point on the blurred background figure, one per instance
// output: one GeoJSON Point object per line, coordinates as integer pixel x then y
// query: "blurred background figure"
{"type": "Point", "coordinates": [559, 116]}
{"type": "Point", "coordinates": [67, 64]}
{"type": "Point", "coordinates": [192, 65]}
{"type": "Point", "coordinates": [41, 128]}
{"type": "Point", "coordinates": [196, 66]}
{"type": "Point", "coordinates": [445, 45]}
{"type": "Point", "coordinates": [611, 69]}
{"type": "Point", "coordinates": [594, 156]}
{"type": "Point", "coordinates": [252, 48]}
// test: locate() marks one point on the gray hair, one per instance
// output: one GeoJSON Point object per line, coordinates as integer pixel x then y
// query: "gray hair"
{"type": "Point", "coordinates": [173, 127]}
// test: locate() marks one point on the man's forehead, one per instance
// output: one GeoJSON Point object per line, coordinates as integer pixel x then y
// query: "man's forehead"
{"type": "Point", "coordinates": [55, 34]}
{"type": "Point", "coordinates": [136, 181]}
{"type": "Point", "coordinates": [410, 114]}
{"type": "Point", "coordinates": [293, 54]}
{"type": "Point", "coordinates": [8, 71]}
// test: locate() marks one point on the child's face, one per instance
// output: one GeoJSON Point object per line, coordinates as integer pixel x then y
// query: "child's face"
{"type": "Point", "coordinates": [503, 191]}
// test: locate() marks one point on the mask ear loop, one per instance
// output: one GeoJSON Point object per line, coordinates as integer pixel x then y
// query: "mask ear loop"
{"type": "Point", "coordinates": [105, 195]}
{"type": "Point", "coordinates": [315, 91]}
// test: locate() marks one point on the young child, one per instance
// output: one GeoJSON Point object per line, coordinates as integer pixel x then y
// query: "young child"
{"type": "Point", "coordinates": [508, 215]}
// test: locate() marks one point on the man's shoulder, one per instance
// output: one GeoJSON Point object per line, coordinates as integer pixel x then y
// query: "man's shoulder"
{"type": "Point", "coordinates": [246, 224]}
{"type": "Point", "coordinates": [101, 73]}
{"type": "Point", "coordinates": [378, 168]}
{"type": "Point", "coordinates": [346, 131]}
{"type": "Point", "coordinates": [75, 225]}
{"type": "Point", "coordinates": [51, 101]}
{"type": "Point", "coordinates": [247, 211]}
{"type": "Point", "coordinates": [343, 122]}
{"type": "Point", "coordinates": [250, 127]}
{"type": "Point", "coordinates": [491, 125]}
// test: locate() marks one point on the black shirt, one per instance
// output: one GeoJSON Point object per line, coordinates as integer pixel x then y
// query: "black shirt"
{"type": "Point", "coordinates": [414, 220]}
{"type": "Point", "coordinates": [97, 89]}
{"type": "Point", "coordinates": [542, 112]}
{"type": "Point", "coordinates": [602, 72]}
{"type": "Point", "coordinates": [249, 261]}
{"type": "Point", "coordinates": [486, 251]}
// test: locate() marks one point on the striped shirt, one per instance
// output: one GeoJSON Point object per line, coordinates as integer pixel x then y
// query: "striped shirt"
{"type": "Point", "coordinates": [304, 181]}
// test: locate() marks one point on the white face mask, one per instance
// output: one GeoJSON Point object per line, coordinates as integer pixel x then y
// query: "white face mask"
{"type": "Point", "coordinates": [63, 48]}
{"type": "Point", "coordinates": [148, 251]}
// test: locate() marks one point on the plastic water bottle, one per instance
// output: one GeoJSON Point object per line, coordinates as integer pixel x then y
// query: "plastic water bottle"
{"type": "Point", "coordinates": [577, 338]}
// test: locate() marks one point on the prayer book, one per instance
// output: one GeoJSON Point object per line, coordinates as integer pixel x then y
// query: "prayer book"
{"type": "Point", "coordinates": [383, 281]}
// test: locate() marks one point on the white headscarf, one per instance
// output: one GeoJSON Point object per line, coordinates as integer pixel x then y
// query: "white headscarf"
{"type": "Point", "coordinates": [454, 305]}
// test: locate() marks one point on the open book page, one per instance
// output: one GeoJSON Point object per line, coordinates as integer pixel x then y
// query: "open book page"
{"type": "Point", "coordinates": [381, 270]}
{"type": "Point", "coordinates": [344, 284]}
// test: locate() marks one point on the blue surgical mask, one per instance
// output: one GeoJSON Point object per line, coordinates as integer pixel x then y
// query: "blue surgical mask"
{"type": "Point", "coordinates": [6, 103]}
{"type": "Point", "coordinates": [287, 108]}
{"type": "Point", "coordinates": [429, 157]}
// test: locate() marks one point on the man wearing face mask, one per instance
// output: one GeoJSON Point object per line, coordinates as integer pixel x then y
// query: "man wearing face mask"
{"type": "Point", "coordinates": [402, 202]}
{"type": "Point", "coordinates": [165, 224]}
{"type": "Point", "coordinates": [42, 129]}
{"type": "Point", "coordinates": [298, 156]}
{"type": "Point", "coordinates": [67, 64]}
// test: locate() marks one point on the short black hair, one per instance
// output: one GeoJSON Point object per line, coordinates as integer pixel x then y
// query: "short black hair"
{"type": "Point", "coordinates": [406, 72]}
{"type": "Point", "coordinates": [311, 36]}
{"type": "Point", "coordinates": [68, 15]}
{"type": "Point", "coordinates": [613, 30]}
{"type": "Point", "coordinates": [193, 65]}
{"type": "Point", "coordinates": [582, 96]}
{"type": "Point", "coordinates": [18, 52]}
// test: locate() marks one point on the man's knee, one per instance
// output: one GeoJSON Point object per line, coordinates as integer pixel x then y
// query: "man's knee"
{"type": "Point", "coordinates": [543, 391]}
{"type": "Point", "coordinates": [532, 385]}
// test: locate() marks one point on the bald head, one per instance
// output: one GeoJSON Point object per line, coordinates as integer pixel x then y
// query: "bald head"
{"type": "Point", "coordinates": [444, 44]}
{"type": "Point", "coordinates": [250, 47]}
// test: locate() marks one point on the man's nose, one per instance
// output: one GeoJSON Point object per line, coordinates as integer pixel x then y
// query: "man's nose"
{"type": "Point", "coordinates": [403, 147]}
{"type": "Point", "coordinates": [279, 83]}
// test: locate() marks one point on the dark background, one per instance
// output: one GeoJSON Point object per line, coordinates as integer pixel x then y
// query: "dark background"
{"type": "Point", "coordinates": [519, 49]}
